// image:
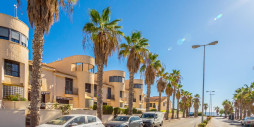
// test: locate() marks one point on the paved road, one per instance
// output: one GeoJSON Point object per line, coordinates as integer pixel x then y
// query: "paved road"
{"type": "Point", "coordinates": [222, 122]}
{"type": "Point", "coordinates": [184, 122]}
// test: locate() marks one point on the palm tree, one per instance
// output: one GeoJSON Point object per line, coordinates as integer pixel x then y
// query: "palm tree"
{"type": "Point", "coordinates": [189, 103]}
{"type": "Point", "coordinates": [41, 14]}
{"type": "Point", "coordinates": [169, 91]}
{"type": "Point", "coordinates": [105, 37]}
{"type": "Point", "coordinates": [178, 96]}
{"type": "Point", "coordinates": [227, 107]}
{"type": "Point", "coordinates": [175, 80]}
{"type": "Point", "coordinates": [184, 95]}
{"type": "Point", "coordinates": [205, 107]}
{"type": "Point", "coordinates": [135, 50]}
{"type": "Point", "coordinates": [196, 104]}
{"type": "Point", "coordinates": [161, 84]}
{"type": "Point", "coordinates": [150, 67]}
{"type": "Point", "coordinates": [217, 109]}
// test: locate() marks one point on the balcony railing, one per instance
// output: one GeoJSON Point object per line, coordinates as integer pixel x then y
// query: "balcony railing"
{"type": "Point", "coordinates": [112, 97]}
{"type": "Point", "coordinates": [74, 91]}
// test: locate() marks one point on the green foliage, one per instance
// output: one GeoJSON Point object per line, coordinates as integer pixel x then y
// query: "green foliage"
{"type": "Point", "coordinates": [134, 111]}
{"type": "Point", "coordinates": [125, 111]}
{"type": "Point", "coordinates": [208, 118]}
{"type": "Point", "coordinates": [107, 109]}
{"type": "Point", "coordinates": [94, 107]}
{"type": "Point", "coordinates": [65, 108]}
{"type": "Point", "coordinates": [117, 111]}
{"type": "Point", "coordinates": [199, 113]}
{"type": "Point", "coordinates": [16, 97]}
{"type": "Point", "coordinates": [153, 109]}
{"type": "Point", "coordinates": [139, 112]}
{"type": "Point", "coordinates": [201, 125]}
{"type": "Point", "coordinates": [205, 121]}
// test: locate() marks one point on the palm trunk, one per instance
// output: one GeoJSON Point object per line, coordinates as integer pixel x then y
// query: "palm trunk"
{"type": "Point", "coordinates": [244, 112]}
{"type": "Point", "coordinates": [38, 42]}
{"type": "Point", "coordinates": [148, 97]}
{"type": "Point", "coordinates": [177, 112]}
{"type": "Point", "coordinates": [173, 106]}
{"type": "Point", "coordinates": [159, 106]}
{"type": "Point", "coordinates": [99, 91]}
{"type": "Point", "coordinates": [184, 112]}
{"type": "Point", "coordinates": [131, 93]}
{"type": "Point", "coordinates": [167, 111]}
{"type": "Point", "coordinates": [241, 111]}
{"type": "Point", "coordinates": [187, 112]}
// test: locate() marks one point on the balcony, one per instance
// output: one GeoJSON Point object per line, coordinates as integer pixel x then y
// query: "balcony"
{"type": "Point", "coordinates": [73, 92]}
{"type": "Point", "coordinates": [111, 97]}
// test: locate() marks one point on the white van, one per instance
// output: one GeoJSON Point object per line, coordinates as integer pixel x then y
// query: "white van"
{"type": "Point", "coordinates": [152, 119]}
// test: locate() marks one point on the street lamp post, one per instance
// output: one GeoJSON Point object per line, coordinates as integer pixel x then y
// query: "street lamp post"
{"type": "Point", "coordinates": [211, 104]}
{"type": "Point", "coordinates": [194, 47]}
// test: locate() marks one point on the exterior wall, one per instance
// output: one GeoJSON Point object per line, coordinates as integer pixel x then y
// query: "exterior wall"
{"type": "Point", "coordinates": [137, 93]}
{"type": "Point", "coordinates": [13, 51]}
{"type": "Point", "coordinates": [12, 118]}
{"type": "Point", "coordinates": [163, 107]}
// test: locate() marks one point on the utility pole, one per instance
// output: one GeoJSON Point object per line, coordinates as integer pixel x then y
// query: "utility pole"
{"type": "Point", "coordinates": [211, 104]}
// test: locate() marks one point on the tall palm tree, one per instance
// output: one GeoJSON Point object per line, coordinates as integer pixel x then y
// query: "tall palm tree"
{"type": "Point", "coordinates": [205, 107]}
{"type": "Point", "coordinates": [105, 37]}
{"type": "Point", "coordinates": [161, 84]}
{"type": "Point", "coordinates": [196, 104]}
{"type": "Point", "coordinates": [184, 95]}
{"type": "Point", "coordinates": [176, 77]}
{"type": "Point", "coordinates": [169, 92]}
{"type": "Point", "coordinates": [227, 107]}
{"type": "Point", "coordinates": [217, 109]}
{"type": "Point", "coordinates": [135, 50]}
{"type": "Point", "coordinates": [42, 14]}
{"type": "Point", "coordinates": [178, 96]}
{"type": "Point", "coordinates": [150, 67]}
{"type": "Point", "coordinates": [189, 103]}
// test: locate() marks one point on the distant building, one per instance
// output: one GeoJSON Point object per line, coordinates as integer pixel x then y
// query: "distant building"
{"type": "Point", "coordinates": [154, 103]}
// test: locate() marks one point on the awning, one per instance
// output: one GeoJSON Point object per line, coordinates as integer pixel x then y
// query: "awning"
{"type": "Point", "coordinates": [63, 98]}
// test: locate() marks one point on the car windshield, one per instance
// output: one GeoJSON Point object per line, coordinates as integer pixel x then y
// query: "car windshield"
{"type": "Point", "coordinates": [147, 116]}
{"type": "Point", "coordinates": [249, 118]}
{"type": "Point", "coordinates": [121, 118]}
{"type": "Point", "coordinates": [60, 120]}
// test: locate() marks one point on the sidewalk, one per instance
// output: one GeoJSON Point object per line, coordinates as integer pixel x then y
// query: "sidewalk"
{"type": "Point", "coordinates": [223, 122]}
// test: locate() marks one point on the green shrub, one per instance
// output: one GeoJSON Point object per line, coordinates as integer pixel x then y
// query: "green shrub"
{"type": "Point", "coordinates": [139, 112]}
{"type": "Point", "coordinates": [126, 111]}
{"type": "Point", "coordinates": [117, 111]}
{"type": "Point", "coordinates": [205, 121]}
{"type": "Point", "coordinates": [153, 109]}
{"type": "Point", "coordinates": [16, 97]}
{"type": "Point", "coordinates": [201, 125]}
{"type": "Point", "coordinates": [65, 108]}
{"type": "Point", "coordinates": [107, 109]}
{"type": "Point", "coordinates": [199, 113]}
{"type": "Point", "coordinates": [94, 107]}
{"type": "Point", "coordinates": [208, 118]}
{"type": "Point", "coordinates": [134, 111]}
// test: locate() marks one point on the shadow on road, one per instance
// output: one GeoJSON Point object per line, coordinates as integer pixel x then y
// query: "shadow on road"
{"type": "Point", "coordinates": [231, 122]}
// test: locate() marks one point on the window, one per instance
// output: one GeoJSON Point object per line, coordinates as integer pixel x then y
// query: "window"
{"type": "Point", "coordinates": [88, 88]}
{"type": "Point", "coordinates": [134, 100]}
{"type": "Point", "coordinates": [23, 40]}
{"type": "Point", "coordinates": [132, 119]}
{"type": "Point", "coordinates": [116, 79]}
{"type": "Point", "coordinates": [138, 85]}
{"type": "Point", "coordinates": [164, 103]}
{"type": "Point", "coordinates": [4, 33]}
{"type": "Point", "coordinates": [14, 36]}
{"type": "Point", "coordinates": [78, 120]}
{"type": "Point", "coordinates": [109, 93]}
{"type": "Point", "coordinates": [11, 68]}
{"type": "Point", "coordinates": [91, 119]}
{"type": "Point", "coordinates": [140, 97]}
{"type": "Point", "coordinates": [95, 90]}
{"type": "Point", "coordinates": [12, 90]}
{"type": "Point", "coordinates": [151, 104]}
{"type": "Point", "coordinates": [68, 86]}
{"type": "Point", "coordinates": [121, 104]}
{"type": "Point", "coordinates": [121, 94]}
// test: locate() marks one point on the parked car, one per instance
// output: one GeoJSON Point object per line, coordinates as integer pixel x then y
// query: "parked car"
{"type": "Point", "coordinates": [152, 119]}
{"type": "Point", "coordinates": [248, 121]}
{"type": "Point", "coordinates": [74, 120]}
{"type": "Point", "coordinates": [125, 121]}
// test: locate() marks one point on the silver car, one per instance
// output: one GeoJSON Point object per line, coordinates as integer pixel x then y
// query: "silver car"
{"type": "Point", "coordinates": [125, 121]}
{"type": "Point", "coordinates": [248, 121]}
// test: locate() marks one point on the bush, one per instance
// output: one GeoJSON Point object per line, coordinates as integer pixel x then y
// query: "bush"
{"type": "Point", "coordinates": [117, 111]}
{"type": "Point", "coordinates": [205, 121]}
{"type": "Point", "coordinates": [208, 118]}
{"type": "Point", "coordinates": [134, 111]}
{"type": "Point", "coordinates": [107, 109]}
{"type": "Point", "coordinates": [16, 97]}
{"type": "Point", "coordinates": [153, 109]}
{"type": "Point", "coordinates": [139, 112]}
{"type": "Point", "coordinates": [94, 107]}
{"type": "Point", "coordinates": [199, 113]}
{"type": "Point", "coordinates": [201, 125]}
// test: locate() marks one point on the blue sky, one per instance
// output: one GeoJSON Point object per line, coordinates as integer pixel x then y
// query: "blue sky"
{"type": "Point", "coordinates": [172, 27]}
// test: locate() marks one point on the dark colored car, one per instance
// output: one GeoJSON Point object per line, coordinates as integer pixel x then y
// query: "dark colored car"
{"type": "Point", "coordinates": [125, 121]}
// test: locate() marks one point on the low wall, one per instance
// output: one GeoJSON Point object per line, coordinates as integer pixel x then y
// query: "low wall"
{"type": "Point", "coordinates": [47, 115]}
{"type": "Point", "coordinates": [12, 118]}
{"type": "Point", "coordinates": [80, 111]}
{"type": "Point", "coordinates": [15, 104]}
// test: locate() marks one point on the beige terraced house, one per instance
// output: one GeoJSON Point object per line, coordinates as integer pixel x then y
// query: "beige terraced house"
{"type": "Point", "coordinates": [70, 80]}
